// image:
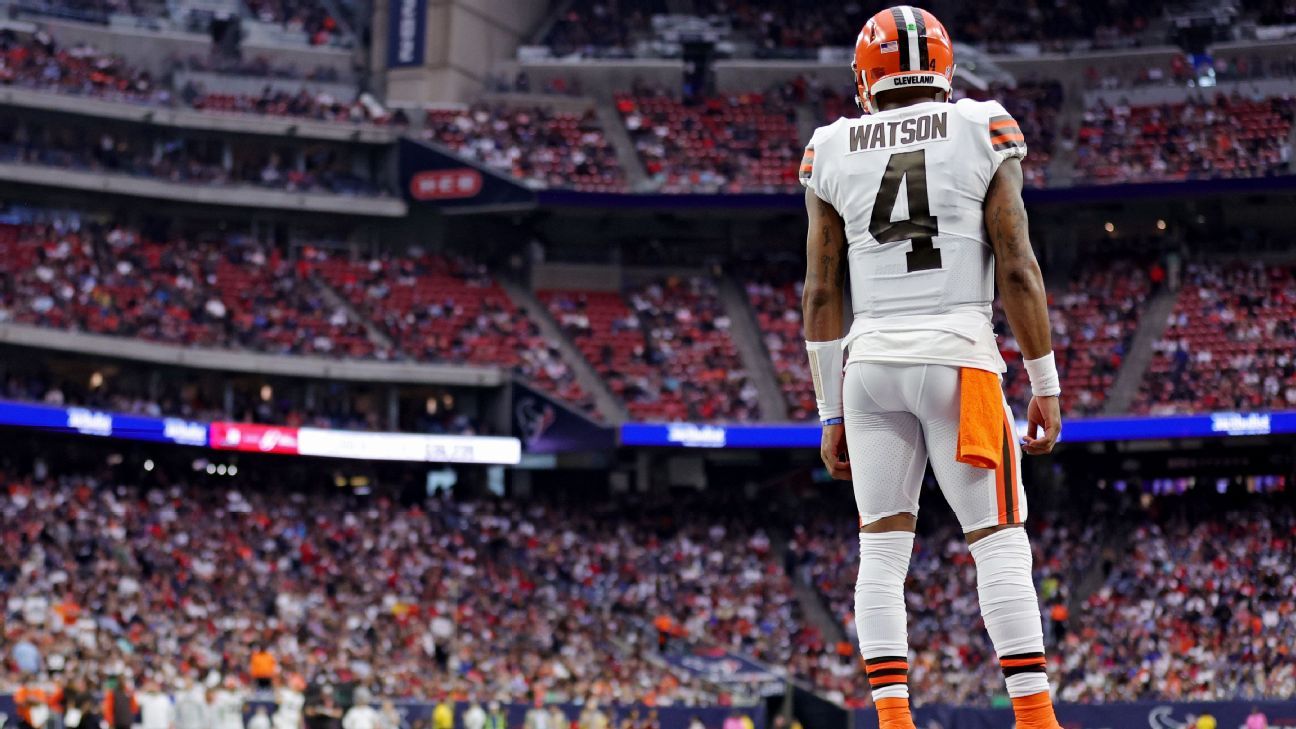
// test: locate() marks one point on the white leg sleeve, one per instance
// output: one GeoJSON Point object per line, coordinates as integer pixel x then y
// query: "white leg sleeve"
{"type": "Point", "coordinates": [880, 611]}
{"type": "Point", "coordinates": [1010, 608]}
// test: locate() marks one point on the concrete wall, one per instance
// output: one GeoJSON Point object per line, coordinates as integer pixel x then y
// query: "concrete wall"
{"type": "Point", "coordinates": [465, 39]}
{"type": "Point", "coordinates": [576, 277]}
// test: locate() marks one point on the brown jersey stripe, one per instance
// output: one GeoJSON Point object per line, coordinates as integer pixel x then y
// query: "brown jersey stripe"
{"type": "Point", "coordinates": [1005, 146]}
{"type": "Point", "coordinates": [1004, 121]}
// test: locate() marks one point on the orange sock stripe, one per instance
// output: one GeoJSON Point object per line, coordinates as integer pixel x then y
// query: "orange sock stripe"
{"type": "Point", "coordinates": [1010, 662]}
{"type": "Point", "coordinates": [887, 680]}
{"type": "Point", "coordinates": [884, 666]}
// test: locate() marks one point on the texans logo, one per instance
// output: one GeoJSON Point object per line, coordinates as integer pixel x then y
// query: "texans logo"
{"type": "Point", "coordinates": [534, 418]}
{"type": "Point", "coordinates": [1161, 718]}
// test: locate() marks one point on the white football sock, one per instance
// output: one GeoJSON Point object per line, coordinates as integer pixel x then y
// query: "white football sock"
{"type": "Point", "coordinates": [880, 611]}
{"type": "Point", "coordinates": [1010, 608]}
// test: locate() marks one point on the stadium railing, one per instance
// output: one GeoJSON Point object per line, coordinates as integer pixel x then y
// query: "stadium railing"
{"type": "Point", "coordinates": [204, 120]}
{"type": "Point", "coordinates": [226, 360]}
{"type": "Point", "coordinates": [243, 196]}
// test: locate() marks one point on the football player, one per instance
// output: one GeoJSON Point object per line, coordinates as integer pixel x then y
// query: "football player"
{"type": "Point", "coordinates": [918, 205]}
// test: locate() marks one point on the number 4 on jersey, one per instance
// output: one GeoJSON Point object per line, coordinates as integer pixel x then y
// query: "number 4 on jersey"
{"type": "Point", "coordinates": [911, 169]}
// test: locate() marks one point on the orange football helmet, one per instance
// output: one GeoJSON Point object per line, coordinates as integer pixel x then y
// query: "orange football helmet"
{"type": "Point", "coordinates": [901, 47]}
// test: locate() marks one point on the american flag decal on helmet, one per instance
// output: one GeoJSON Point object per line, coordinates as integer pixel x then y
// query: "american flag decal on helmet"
{"type": "Point", "coordinates": [891, 47]}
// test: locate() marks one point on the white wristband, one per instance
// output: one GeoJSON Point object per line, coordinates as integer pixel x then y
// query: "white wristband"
{"type": "Point", "coordinates": [1043, 376]}
{"type": "Point", "coordinates": [826, 371]}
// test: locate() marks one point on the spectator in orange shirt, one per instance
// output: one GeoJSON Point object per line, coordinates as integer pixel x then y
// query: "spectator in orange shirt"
{"type": "Point", "coordinates": [1058, 615]}
{"type": "Point", "coordinates": [263, 668]}
{"type": "Point", "coordinates": [33, 704]}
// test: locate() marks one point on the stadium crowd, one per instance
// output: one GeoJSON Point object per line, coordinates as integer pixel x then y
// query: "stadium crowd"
{"type": "Point", "coordinates": [1094, 320]}
{"type": "Point", "coordinates": [301, 105]}
{"type": "Point", "coordinates": [1220, 137]}
{"type": "Point", "coordinates": [717, 144]}
{"type": "Point", "coordinates": [226, 292]}
{"type": "Point", "coordinates": [189, 583]}
{"type": "Point", "coordinates": [182, 158]}
{"type": "Point", "coordinates": [308, 16]}
{"type": "Point", "coordinates": [664, 348]}
{"type": "Point", "coordinates": [1228, 344]}
{"type": "Point", "coordinates": [783, 28]}
{"type": "Point", "coordinates": [231, 292]}
{"type": "Point", "coordinates": [1197, 609]}
{"type": "Point", "coordinates": [38, 62]}
{"type": "Point", "coordinates": [542, 147]}
{"type": "Point", "coordinates": [1186, 609]}
{"type": "Point", "coordinates": [572, 600]}
{"type": "Point", "coordinates": [440, 309]}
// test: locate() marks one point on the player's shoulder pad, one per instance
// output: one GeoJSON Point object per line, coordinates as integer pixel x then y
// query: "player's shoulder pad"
{"type": "Point", "coordinates": [825, 132]}
{"type": "Point", "coordinates": [821, 136]}
{"type": "Point", "coordinates": [979, 111]}
{"type": "Point", "coordinates": [1004, 135]}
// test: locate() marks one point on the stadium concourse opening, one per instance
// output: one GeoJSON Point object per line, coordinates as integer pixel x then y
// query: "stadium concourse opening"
{"type": "Point", "coordinates": [420, 365]}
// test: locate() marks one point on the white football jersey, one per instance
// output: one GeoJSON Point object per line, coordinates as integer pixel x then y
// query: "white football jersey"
{"type": "Point", "coordinates": [910, 184]}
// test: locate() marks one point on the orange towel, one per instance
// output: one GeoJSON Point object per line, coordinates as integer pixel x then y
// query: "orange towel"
{"type": "Point", "coordinates": [981, 419]}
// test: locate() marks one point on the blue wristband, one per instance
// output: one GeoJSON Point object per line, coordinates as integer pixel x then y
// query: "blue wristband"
{"type": "Point", "coordinates": [831, 421]}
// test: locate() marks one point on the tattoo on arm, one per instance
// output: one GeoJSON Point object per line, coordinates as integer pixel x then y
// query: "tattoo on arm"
{"type": "Point", "coordinates": [821, 301]}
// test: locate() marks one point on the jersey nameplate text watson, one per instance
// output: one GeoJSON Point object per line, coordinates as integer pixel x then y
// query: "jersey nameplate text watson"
{"type": "Point", "coordinates": [881, 135]}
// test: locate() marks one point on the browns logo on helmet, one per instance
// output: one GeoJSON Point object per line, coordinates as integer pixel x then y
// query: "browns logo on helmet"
{"type": "Point", "coordinates": [902, 47]}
